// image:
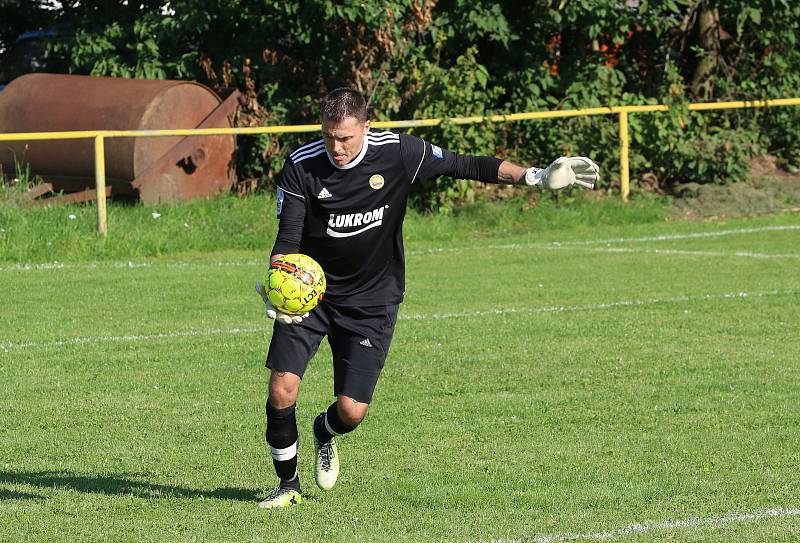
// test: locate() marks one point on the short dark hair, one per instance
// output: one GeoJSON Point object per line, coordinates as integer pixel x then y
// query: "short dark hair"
{"type": "Point", "coordinates": [344, 102]}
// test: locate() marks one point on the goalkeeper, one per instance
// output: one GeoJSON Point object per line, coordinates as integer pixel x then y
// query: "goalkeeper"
{"type": "Point", "coordinates": [341, 199]}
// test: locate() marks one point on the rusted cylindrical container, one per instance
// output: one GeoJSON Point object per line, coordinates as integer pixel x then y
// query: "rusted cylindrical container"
{"type": "Point", "coordinates": [52, 102]}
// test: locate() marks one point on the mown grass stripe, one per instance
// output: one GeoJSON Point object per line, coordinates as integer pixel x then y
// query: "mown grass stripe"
{"type": "Point", "coordinates": [435, 316]}
{"type": "Point", "coordinates": [560, 244]}
{"type": "Point", "coordinates": [435, 250]}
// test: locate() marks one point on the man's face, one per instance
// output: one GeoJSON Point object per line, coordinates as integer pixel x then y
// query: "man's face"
{"type": "Point", "coordinates": [344, 139]}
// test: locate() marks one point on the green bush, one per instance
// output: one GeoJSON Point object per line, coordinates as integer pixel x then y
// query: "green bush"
{"type": "Point", "coordinates": [415, 59]}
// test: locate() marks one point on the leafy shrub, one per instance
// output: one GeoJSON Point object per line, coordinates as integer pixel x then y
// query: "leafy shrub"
{"type": "Point", "coordinates": [414, 59]}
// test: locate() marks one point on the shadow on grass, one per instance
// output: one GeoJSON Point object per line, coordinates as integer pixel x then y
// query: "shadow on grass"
{"type": "Point", "coordinates": [14, 495]}
{"type": "Point", "coordinates": [115, 484]}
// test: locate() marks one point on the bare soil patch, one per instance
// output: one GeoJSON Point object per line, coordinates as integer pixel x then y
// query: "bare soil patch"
{"type": "Point", "coordinates": [770, 188]}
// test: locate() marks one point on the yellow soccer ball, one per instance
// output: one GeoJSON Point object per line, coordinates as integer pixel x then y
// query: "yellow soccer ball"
{"type": "Point", "coordinates": [295, 284]}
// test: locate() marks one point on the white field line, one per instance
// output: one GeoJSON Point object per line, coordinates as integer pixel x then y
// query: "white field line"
{"type": "Point", "coordinates": [682, 252]}
{"type": "Point", "coordinates": [596, 307]}
{"type": "Point", "coordinates": [435, 250]}
{"type": "Point", "coordinates": [652, 526]}
{"type": "Point", "coordinates": [412, 317]}
{"type": "Point", "coordinates": [130, 338]}
{"type": "Point", "coordinates": [558, 244]}
{"type": "Point", "coordinates": [131, 265]}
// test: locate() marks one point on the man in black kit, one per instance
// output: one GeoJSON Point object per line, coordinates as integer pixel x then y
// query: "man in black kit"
{"type": "Point", "coordinates": [342, 200]}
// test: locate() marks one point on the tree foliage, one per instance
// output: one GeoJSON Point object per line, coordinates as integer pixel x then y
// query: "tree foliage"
{"type": "Point", "coordinates": [427, 58]}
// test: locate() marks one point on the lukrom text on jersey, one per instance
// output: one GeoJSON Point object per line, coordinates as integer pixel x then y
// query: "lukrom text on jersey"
{"type": "Point", "coordinates": [368, 220]}
{"type": "Point", "coordinates": [350, 220]}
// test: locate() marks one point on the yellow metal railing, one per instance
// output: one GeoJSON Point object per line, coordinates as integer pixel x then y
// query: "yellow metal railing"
{"type": "Point", "coordinates": [99, 136]}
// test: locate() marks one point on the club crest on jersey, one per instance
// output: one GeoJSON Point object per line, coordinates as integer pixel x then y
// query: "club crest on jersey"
{"type": "Point", "coordinates": [437, 151]}
{"type": "Point", "coordinates": [376, 181]}
{"type": "Point", "coordinates": [352, 224]}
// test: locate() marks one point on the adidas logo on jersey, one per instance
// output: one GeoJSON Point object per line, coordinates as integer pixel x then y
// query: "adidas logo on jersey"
{"type": "Point", "coordinates": [365, 221]}
{"type": "Point", "coordinates": [365, 343]}
{"type": "Point", "coordinates": [324, 194]}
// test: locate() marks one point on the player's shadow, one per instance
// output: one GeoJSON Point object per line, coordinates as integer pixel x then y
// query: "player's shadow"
{"type": "Point", "coordinates": [6, 494]}
{"type": "Point", "coordinates": [123, 484]}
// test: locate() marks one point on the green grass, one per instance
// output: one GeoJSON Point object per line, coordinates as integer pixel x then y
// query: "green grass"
{"type": "Point", "coordinates": [132, 405]}
{"type": "Point", "coordinates": [66, 233]}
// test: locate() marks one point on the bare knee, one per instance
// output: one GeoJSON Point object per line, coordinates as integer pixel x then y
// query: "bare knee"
{"type": "Point", "coordinates": [350, 411]}
{"type": "Point", "coordinates": [283, 389]}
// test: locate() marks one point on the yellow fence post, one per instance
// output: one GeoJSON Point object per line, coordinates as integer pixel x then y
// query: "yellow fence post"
{"type": "Point", "coordinates": [100, 183]}
{"type": "Point", "coordinates": [624, 172]}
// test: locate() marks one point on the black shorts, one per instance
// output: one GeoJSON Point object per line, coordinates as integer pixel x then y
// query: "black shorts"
{"type": "Point", "coordinates": [359, 338]}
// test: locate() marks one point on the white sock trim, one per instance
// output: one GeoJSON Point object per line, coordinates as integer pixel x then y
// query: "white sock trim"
{"type": "Point", "coordinates": [284, 454]}
{"type": "Point", "coordinates": [328, 426]}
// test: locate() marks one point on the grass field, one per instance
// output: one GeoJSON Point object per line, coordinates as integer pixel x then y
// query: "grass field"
{"type": "Point", "coordinates": [633, 383]}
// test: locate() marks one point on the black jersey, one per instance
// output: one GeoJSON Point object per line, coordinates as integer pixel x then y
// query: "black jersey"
{"type": "Point", "coordinates": [350, 218]}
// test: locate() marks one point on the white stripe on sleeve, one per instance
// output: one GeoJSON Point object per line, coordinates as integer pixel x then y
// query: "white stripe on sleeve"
{"type": "Point", "coordinates": [420, 163]}
{"type": "Point", "coordinates": [292, 193]}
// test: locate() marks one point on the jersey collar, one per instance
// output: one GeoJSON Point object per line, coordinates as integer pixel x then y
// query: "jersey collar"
{"type": "Point", "coordinates": [353, 163]}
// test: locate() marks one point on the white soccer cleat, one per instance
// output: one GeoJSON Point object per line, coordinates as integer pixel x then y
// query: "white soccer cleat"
{"type": "Point", "coordinates": [281, 497]}
{"type": "Point", "coordinates": [326, 469]}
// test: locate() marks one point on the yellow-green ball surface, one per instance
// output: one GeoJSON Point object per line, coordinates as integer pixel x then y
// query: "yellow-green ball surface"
{"type": "Point", "coordinates": [295, 284]}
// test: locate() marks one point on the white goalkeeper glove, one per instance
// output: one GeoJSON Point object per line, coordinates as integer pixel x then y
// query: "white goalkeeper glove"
{"type": "Point", "coordinates": [273, 313]}
{"type": "Point", "coordinates": [563, 172]}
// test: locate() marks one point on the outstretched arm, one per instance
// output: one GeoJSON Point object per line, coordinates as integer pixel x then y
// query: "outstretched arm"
{"type": "Point", "coordinates": [425, 161]}
{"type": "Point", "coordinates": [510, 174]}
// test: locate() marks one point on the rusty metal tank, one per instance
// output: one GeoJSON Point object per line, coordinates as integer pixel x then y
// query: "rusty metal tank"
{"type": "Point", "coordinates": [157, 169]}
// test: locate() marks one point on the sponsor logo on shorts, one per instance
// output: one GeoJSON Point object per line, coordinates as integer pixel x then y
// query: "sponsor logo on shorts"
{"type": "Point", "coordinates": [341, 226]}
{"type": "Point", "coordinates": [376, 181]}
{"type": "Point", "coordinates": [365, 343]}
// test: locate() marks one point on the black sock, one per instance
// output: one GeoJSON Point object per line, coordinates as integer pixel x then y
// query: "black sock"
{"type": "Point", "coordinates": [293, 483]}
{"type": "Point", "coordinates": [328, 425]}
{"type": "Point", "coordinates": [282, 436]}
